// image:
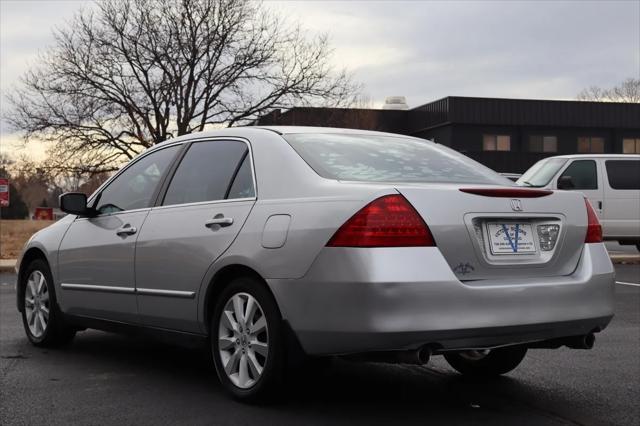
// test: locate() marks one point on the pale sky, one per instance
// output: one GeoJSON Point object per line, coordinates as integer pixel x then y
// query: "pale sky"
{"type": "Point", "coordinates": [423, 50]}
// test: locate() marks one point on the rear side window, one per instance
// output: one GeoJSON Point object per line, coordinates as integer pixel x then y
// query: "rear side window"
{"type": "Point", "coordinates": [242, 186]}
{"type": "Point", "coordinates": [623, 174]}
{"type": "Point", "coordinates": [206, 172]}
{"type": "Point", "coordinates": [374, 158]}
{"type": "Point", "coordinates": [583, 174]}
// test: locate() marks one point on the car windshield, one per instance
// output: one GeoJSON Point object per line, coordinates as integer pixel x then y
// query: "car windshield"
{"type": "Point", "coordinates": [375, 158]}
{"type": "Point", "coordinates": [541, 173]}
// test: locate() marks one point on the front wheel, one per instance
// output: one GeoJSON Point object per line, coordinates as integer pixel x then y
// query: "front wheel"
{"type": "Point", "coordinates": [43, 322]}
{"type": "Point", "coordinates": [246, 340]}
{"type": "Point", "coordinates": [486, 363]}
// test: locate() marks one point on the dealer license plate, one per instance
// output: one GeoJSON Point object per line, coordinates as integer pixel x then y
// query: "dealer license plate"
{"type": "Point", "coordinates": [510, 238]}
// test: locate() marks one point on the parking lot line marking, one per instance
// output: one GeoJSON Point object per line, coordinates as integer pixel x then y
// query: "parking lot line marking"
{"type": "Point", "coordinates": [624, 283]}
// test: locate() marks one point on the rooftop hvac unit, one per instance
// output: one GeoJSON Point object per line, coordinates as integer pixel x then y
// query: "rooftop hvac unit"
{"type": "Point", "coordinates": [395, 102]}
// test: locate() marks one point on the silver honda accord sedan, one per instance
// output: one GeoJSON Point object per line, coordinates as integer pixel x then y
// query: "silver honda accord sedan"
{"type": "Point", "coordinates": [273, 244]}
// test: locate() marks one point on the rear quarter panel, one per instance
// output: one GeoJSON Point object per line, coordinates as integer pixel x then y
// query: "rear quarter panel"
{"type": "Point", "coordinates": [286, 185]}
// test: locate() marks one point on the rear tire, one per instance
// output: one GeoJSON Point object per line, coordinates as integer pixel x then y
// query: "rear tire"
{"type": "Point", "coordinates": [247, 340]}
{"type": "Point", "coordinates": [487, 364]}
{"type": "Point", "coordinates": [43, 322]}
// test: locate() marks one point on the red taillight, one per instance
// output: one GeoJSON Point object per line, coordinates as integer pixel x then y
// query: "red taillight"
{"type": "Point", "coordinates": [594, 230]}
{"type": "Point", "coordinates": [389, 221]}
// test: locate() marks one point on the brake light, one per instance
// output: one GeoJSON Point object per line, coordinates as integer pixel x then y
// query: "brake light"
{"type": "Point", "coordinates": [389, 221]}
{"type": "Point", "coordinates": [508, 192]}
{"type": "Point", "coordinates": [594, 229]}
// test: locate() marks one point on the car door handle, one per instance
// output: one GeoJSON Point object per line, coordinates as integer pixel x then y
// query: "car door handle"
{"type": "Point", "coordinates": [126, 230]}
{"type": "Point", "coordinates": [220, 221]}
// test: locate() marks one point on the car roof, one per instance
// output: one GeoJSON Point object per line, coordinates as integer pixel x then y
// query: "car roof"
{"type": "Point", "coordinates": [290, 130]}
{"type": "Point", "coordinates": [246, 131]}
{"type": "Point", "coordinates": [572, 156]}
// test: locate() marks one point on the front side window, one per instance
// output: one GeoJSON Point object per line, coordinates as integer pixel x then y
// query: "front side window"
{"type": "Point", "coordinates": [135, 186]}
{"type": "Point", "coordinates": [206, 173]}
{"type": "Point", "coordinates": [623, 174]}
{"type": "Point", "coordinates": [583, 174]}
{"type": "Point", "coordinates": [374, 158]}
{"type": "Point", "coordinates": [631, 146]}
{"type": "Point", "coordinates": [590, 144]}
{"type": "Point", "coordinates": [496, 143]}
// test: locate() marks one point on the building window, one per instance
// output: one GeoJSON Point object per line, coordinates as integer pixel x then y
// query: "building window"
{"type": "Point", "coordinates": [590, 144]}
{"type": "Point", "coordinates": [496, 143]}
{"type": "Point", "coordinates": [539, 143]}
{"type": "Point", "coordinates": [631, 146]}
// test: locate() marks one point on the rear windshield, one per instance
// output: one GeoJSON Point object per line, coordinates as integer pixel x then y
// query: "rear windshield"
{"type": "Point", "coordinates": [373, 158]}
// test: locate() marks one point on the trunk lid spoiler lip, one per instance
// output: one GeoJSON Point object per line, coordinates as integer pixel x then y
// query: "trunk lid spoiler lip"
{"type": "Point", "coordinates": [508, 192]}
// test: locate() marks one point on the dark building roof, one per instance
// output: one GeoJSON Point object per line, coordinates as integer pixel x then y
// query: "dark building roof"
{"type": "Point", "coordinates": [466, 110]}
{"type": "Point", "coordinates": [525, 112]}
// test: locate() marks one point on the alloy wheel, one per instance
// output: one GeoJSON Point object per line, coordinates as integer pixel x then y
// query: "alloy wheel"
{"type": "Point", "coordinates": [243, 340]}
{"type": "Point", "coordinates": [36, 304]}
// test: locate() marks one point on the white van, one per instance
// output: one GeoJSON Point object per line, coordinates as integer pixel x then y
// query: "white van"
{"type": "Point", "coordinates": [611, 182]}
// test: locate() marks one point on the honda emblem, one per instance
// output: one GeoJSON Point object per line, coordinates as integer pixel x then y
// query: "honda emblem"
{"type": "Point", "coordinates": [516, 205]}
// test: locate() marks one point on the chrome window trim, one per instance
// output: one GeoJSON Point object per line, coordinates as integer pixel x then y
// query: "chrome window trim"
{"type": "Point", "coordinates": [142, 209]}
{"type": "Point", "coordinates": [181, 142]}
{"type": "Point", "coordinates": [210, 139]}
{"type": "Point", "coordinates": [204, 203]}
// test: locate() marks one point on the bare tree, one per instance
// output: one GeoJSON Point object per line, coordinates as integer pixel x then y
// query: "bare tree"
{"type": "Point", "coordinates": [627, 91]}
{"type": "Point", "coordinates": [127, 74]}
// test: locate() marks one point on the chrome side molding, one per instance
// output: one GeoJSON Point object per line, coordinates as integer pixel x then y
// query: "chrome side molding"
{"type": "Point", "coordinates": [169, 293]}
{"type": "Point", "coordinates": [129, 290]}
{"type": "Point", "coordinates": [105, 288]}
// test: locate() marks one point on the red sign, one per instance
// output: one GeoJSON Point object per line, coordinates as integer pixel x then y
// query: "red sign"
{"type": "Point", "coordinates": [4, 192]}
{"type": "Point", "coordinates": [43, 213]}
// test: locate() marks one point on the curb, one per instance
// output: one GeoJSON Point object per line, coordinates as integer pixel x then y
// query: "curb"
{"type": "Point", "coordinates": [625, 259]}
{"type": "Point", "coordinates": [8, 265]}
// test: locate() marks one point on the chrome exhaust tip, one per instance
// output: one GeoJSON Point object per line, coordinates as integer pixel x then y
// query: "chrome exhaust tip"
{"type": "Point", "coordinates": [424, 354]}
{"type": "Point", "coordinates": [419, 356]}
{"type": "Point", "coordinates": [581, 342]}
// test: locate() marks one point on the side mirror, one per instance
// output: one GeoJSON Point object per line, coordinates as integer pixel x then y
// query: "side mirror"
{"type": "Point", "coordinates": [75, 203]}
{"type": "Point", "coordinates": [565, 182]}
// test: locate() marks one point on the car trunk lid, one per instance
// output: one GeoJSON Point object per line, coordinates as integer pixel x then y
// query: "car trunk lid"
{"type": "Point", "coordinates": [489, 232]}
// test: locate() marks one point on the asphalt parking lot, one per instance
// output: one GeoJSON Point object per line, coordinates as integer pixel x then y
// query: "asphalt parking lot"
{"type": "Point", "coordinates": [109, 379]}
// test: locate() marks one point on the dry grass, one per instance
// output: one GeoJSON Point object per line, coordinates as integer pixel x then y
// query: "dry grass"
{"type": "Point", "coordinates": [14, 233]}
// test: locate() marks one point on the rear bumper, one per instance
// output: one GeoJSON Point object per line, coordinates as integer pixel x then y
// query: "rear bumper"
{"type": "Point", "coordinates": [359, 300]}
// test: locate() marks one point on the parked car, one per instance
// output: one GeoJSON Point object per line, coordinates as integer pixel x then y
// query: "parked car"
{"type": "Point", "coordinates": [276, 243]}
{"type": "Point", "coordinates": [611, 182]}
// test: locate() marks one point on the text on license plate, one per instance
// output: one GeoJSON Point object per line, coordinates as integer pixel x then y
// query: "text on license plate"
{"type": "Point", "coordinates": [510, 238]}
